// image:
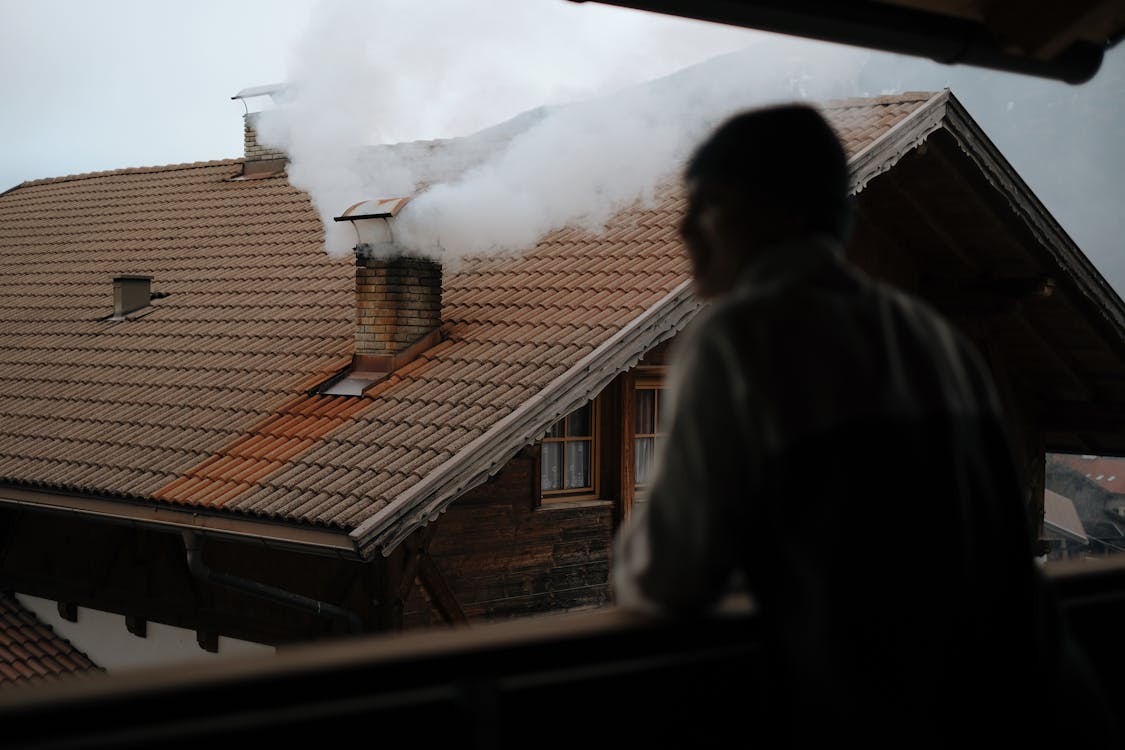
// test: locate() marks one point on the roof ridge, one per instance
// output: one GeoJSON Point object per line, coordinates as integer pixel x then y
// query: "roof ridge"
{"type": "Point", "coordinates": [129, 170]}
{"type": "Point", "coordinates": [867, 101]}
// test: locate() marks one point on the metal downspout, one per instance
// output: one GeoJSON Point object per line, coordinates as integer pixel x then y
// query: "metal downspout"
{"type": "Point", "coordinates": [193, 546]}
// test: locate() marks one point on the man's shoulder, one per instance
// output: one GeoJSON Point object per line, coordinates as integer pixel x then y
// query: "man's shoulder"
{"type": "Point", "coordinates": [950, 344]}
{"type": "Point", "coordinates": [921, 311]}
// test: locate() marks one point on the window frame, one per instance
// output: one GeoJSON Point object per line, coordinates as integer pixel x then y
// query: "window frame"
{"type": "Point", "coordinates": [646, 379]}
{"type": "Point", "coordinates": [592, 491]}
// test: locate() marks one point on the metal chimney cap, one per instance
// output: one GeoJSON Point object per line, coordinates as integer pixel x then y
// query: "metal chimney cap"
{"type": "Point", "coordinates": [377, 208]}
{"type": "Point", "coordinates": [267, 90]}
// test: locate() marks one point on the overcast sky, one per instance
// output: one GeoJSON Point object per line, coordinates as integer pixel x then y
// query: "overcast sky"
{"type": "Point", "coordinates": [120, 83]}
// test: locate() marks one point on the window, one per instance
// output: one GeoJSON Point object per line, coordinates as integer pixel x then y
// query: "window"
{"type": "Point", "coordinates": [1083, 506]}
{"type": "Point", "coordinates": [648, 404]}
{"type": "Point", "coordinates": [567, 464]}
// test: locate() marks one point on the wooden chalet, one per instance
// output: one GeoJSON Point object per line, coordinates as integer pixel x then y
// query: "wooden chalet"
{"type": "Point", "coordinates": [206, 421]}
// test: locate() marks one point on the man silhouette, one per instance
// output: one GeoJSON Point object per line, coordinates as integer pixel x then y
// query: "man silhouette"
{"type": "Point", "coordinates": [838, 448]}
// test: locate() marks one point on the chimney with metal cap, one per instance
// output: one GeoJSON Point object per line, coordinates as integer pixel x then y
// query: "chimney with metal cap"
{"type": "Point", "coordinates": [260, 160]}
{"type": "Point", "coordinates": [398, 296]}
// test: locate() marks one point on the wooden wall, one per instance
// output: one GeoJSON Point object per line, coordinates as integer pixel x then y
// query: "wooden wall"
{"type": "Point", "coordinates": [143, 574]}
{"type": "Point", "coordinates": [503, 555]}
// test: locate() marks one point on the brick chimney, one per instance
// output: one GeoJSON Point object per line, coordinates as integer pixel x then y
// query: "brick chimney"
{"type": "Point", "coordinates": [256, 152]}
{"type": "Point", "coordinates": [397, 299]}
{"type": "Point", "coordinates": [259, 160]}
{"type": "Point", "coordinates": [398, 307]}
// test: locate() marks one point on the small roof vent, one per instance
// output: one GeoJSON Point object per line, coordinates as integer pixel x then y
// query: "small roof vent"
{"type": "Point", "coordinates": [131, 293]}
{"type": "Point", "coordinates": [260, 160]}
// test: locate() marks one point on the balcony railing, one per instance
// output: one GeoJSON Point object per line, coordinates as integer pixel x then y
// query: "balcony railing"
{"type": "Point", "coordinates": [607, 675]}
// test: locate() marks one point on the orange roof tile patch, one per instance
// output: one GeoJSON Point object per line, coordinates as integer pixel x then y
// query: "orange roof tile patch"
{"type": "Point", "coordinates": [261, 450]}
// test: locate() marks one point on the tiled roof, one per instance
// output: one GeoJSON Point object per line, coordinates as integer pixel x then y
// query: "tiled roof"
{"type": "Point", "coordinates": [859, 122]}
{"type": "Point", "coordinates": [1106, 472]}
{"type": "Point", "coordinates": [203, 399]}
{"type": "Point", "coordinates": [1061, 517]}
{"type": "Point", "coordinates": [30, 651]}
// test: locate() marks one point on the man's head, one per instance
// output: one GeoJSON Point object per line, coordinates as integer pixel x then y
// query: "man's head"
{"type": "Point", "coordinates": [762, 177]}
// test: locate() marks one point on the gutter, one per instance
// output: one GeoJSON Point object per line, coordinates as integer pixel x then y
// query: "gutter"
{"type": "Point", "coordinates": [193, 546]}
{"type": "Point", "coordinates": [149, 515]}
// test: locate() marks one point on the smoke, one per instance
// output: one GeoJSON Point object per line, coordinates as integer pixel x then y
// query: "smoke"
{"type": "Point", "coordinates": [579, 138]}
{"type": "Point", "coordinates": [582, 163]}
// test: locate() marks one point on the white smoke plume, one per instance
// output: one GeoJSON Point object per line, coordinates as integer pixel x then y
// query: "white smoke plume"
{"type": "Point", "coordinates": [590, 140]}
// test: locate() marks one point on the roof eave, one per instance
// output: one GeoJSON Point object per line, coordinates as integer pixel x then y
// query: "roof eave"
{"type": "Point", "coordinates": [162, 517]}
{"type": "Point", "coordinates": [888, 149]}
{"type": "Point", "coordinates": [943, 111]}
{"type": "Point", "coordinates": [1098, 296]}
{"type": "Point", "coordinates": [1065, 532]}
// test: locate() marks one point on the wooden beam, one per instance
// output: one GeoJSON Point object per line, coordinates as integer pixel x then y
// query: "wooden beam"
{"type": "Point", "coordinates": [136, 625]}
{"type": "Point", "coordinates": [415, 547]}
{"type": "Point", "coordinates": [208, 640]}
{"type": "Point", "coordinates": [68, 611]}
{"type": "Point", "coordinates": [382, 582]}
{"type": "Point", "coordinates": [441, 594]}
{"type": "Point", "coordinates": [420, 569]}
{"type": "Point", "coordinates": [624, 440]}
{"type": "Point", "coordinates": [342, 581]}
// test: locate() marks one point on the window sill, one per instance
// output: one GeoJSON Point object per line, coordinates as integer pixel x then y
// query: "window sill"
{"type": "Point", "coordinates": [584, 502]}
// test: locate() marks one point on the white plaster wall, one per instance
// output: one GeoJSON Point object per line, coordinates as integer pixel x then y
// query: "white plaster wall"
{"type": "Point", "coordinates": [105, 639]}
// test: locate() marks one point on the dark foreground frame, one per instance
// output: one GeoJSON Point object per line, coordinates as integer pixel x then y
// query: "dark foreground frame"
{"type": "Point", "coordinates": [602, 676]}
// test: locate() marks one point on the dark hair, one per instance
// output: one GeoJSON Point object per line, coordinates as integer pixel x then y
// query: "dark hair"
{"type": "Point", "coordinates": [787, 156]}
